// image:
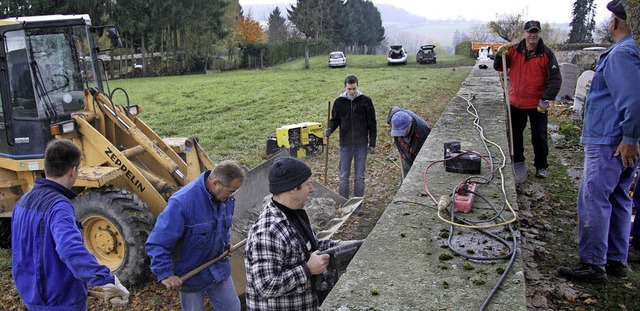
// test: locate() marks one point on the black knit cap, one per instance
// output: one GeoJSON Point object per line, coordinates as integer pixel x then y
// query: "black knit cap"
{"type": "Point", "coordinates": [287, 173]}
{"type": "Point", "coordinates": [617, 8]}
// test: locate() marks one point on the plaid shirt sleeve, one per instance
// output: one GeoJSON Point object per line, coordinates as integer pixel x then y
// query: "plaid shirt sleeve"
{"type": "Point", "coordinates": [274, 263]}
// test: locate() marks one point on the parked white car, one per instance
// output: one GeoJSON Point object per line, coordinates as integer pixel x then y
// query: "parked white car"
{"type": "Point", "coordinates": [337, 59]}
{"type": "Point", "coordinates": [397, 56]}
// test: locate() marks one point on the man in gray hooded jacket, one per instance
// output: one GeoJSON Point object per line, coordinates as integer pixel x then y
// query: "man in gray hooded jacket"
{"type": "Point", "coordinates": [353, 112]}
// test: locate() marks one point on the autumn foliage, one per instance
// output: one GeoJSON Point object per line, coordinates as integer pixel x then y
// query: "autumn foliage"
{"type": "Point", "coordinates": [245, 29]}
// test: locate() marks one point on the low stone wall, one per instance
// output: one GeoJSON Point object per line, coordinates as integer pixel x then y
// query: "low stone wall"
{"type": "Point", "coordinates": [586, 60]}
{"type": "Point", "coordinates": [403, 264]}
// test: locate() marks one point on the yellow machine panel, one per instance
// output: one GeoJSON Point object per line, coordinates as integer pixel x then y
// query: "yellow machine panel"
{"type": "Point", "coordinates": [301, 138]}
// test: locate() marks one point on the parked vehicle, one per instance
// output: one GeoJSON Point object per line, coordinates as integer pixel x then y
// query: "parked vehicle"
{"type": "Point", "coordinates": [337, 59]}
{"type": "Point", "coordinates": [397, 56]}
{"type": "Point", "coordinates": [426, 54]}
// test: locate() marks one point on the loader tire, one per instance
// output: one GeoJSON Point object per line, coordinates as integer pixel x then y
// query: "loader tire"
{"type": "Point", "coordinates": [115, 228]}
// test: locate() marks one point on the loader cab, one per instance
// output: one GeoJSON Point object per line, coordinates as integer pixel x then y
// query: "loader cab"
{"type": "Point", "coordinates": [43, 70]}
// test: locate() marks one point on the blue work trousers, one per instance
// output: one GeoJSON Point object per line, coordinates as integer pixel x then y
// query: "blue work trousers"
{"type": "Point", "coordinates": [604, 206]}
{"type": "Point", "coordinates": [222, 296]}
{"type": "Point", "coordinates": [357, 155]}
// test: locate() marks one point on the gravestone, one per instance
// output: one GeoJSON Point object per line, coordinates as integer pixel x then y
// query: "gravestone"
{"type": "Point", "coordinates": [569, 73]}
{"type": "Point", "coordinates": [582, 88]}
{"type": "Point", "coordinates": [483, 54]}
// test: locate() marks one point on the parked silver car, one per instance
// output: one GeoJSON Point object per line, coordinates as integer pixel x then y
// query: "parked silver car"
{"type": "Point", "coordinates": [337, 59]}
{"type": "Point", "coordinates": [397, 55]}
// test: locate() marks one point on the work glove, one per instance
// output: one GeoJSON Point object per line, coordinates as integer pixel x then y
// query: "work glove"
{"type": "Point", "coordinates": [116, 293]}
{"type": "Point", "coordinates": [372, 150]}
{"type": "Point", "coordinates": [543, 105]}
{"type": "Point", "coordinates": [327, 132]}
{"type": "Point", "coordinates": [503, 49]}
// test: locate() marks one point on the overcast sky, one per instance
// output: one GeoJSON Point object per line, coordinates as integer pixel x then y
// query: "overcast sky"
{"type": "Point", "coordinates": [551, 11]}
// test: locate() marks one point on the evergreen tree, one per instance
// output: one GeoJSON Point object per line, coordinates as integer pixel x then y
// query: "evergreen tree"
{"type": "Point", "coordinates": [277, 29]}
{"type": "Point", "coordinates": [583, 23]}
{"type": "Point", "coordinates": [367, 22]}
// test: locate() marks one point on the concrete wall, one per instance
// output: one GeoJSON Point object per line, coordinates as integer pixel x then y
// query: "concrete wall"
{"type": "Point", "coordinates": [399, 266]}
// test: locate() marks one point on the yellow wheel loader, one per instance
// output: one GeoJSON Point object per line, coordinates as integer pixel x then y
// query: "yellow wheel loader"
{"type": "Point", "coordinates": [51, 86]}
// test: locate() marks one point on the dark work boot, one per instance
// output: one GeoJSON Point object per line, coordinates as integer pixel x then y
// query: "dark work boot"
{"type": "Point", "coordinates": [584, 272]}
{"type": "Point", "coordinates": [617, 268]}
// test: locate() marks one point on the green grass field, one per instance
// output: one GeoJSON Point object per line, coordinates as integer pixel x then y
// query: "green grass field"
{"type": "Point", "coordinates": [232, 113]}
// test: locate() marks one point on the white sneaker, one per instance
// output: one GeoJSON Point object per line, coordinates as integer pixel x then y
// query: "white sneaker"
{"type": "Point", "coordinates": [520, 171]}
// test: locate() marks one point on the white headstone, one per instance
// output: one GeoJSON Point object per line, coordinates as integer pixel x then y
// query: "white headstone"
{"type": "Point", "coordinates": [569, 73]}
{"type": "Point", "coordinates": [582, 88]}
{"type": "Point", "coordinates": [483, 54]}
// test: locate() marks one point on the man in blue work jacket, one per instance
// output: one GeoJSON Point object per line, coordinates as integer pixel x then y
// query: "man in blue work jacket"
{"type": "Point", "coordinates": [193, 229]}
{"type": "Point", "coordinates": [51, 267]}
{"type": "Point", "coordinates": [610, 136]}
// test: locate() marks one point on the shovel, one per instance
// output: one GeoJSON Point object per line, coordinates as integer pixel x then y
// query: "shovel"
{"type": "Point", "coordinates": [326, 151]}
{"type": "Point", "coordinates": [505, 85]}
{"type": "Point", "coordinates": [207, 264]}
{"type": "Point", "coordinates": [188, 275]}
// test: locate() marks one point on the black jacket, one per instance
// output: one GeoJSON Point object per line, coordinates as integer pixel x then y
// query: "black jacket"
{"type": "Point", "coordinates": [356, 119]}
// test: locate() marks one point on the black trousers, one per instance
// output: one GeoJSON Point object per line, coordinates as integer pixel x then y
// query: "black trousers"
{"type": "Point", "coordinates": [538, 135]}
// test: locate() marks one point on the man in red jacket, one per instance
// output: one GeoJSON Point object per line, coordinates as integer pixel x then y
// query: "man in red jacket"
{"type": "Point", "coordinates": [534, 77]}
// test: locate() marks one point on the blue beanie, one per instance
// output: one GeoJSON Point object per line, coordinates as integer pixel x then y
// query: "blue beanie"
{"type": "Point", "coordinates": [287, 173]}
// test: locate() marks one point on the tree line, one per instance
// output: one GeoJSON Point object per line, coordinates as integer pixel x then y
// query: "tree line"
{"type": "Point", "coordinates": [196, 33]}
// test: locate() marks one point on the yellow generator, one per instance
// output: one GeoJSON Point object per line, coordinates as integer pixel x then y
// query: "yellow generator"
{"type": "Point", "coordinates": [301, 138]}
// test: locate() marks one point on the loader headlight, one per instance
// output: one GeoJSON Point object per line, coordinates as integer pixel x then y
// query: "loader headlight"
{"type": "Point", "coordinates": [63, 127]}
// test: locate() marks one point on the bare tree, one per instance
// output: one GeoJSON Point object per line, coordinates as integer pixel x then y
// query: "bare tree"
{"type": "Point", "coordinates": [553, 36]}
{"type": "Point", "coordinates": [482, 33]}
{"type": "Point", "coordinates": [602, 32]}
{"type": "Point", "coordinates": [507, 26]}
{"type": "Point", "coordinates": [459, 37]}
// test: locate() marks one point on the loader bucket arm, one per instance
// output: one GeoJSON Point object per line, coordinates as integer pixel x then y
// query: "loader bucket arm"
{"type": "Point", "coordinates": [121, 120]}
{"type": "Point", "coordinates": [97, 151]}
{"type": "Point", "coordinates": [151, 167]}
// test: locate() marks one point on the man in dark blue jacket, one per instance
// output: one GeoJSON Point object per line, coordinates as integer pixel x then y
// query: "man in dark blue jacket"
{"type": "Point", "coordinates": [50, 265]}
{"type": "Point", "coordinates": [193, 229]}
{"type": "Point", "coordinates": [354, 114]}
{"type": "Point", "coordinates": [610, 136]}
{"type": "Point", "coordinates": [409, 133]}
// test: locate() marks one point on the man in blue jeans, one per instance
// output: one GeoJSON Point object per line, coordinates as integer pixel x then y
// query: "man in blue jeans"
{"type": "Point", "coordinates": [193, 229]}
{"type": "Point", "coordinates": [610, 137]}
{"type": "Point", "coordinates": [354, 114]}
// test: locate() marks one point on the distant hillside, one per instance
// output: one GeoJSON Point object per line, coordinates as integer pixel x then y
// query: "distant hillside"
{"type": "Point", "coordinates": [401, 27]}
